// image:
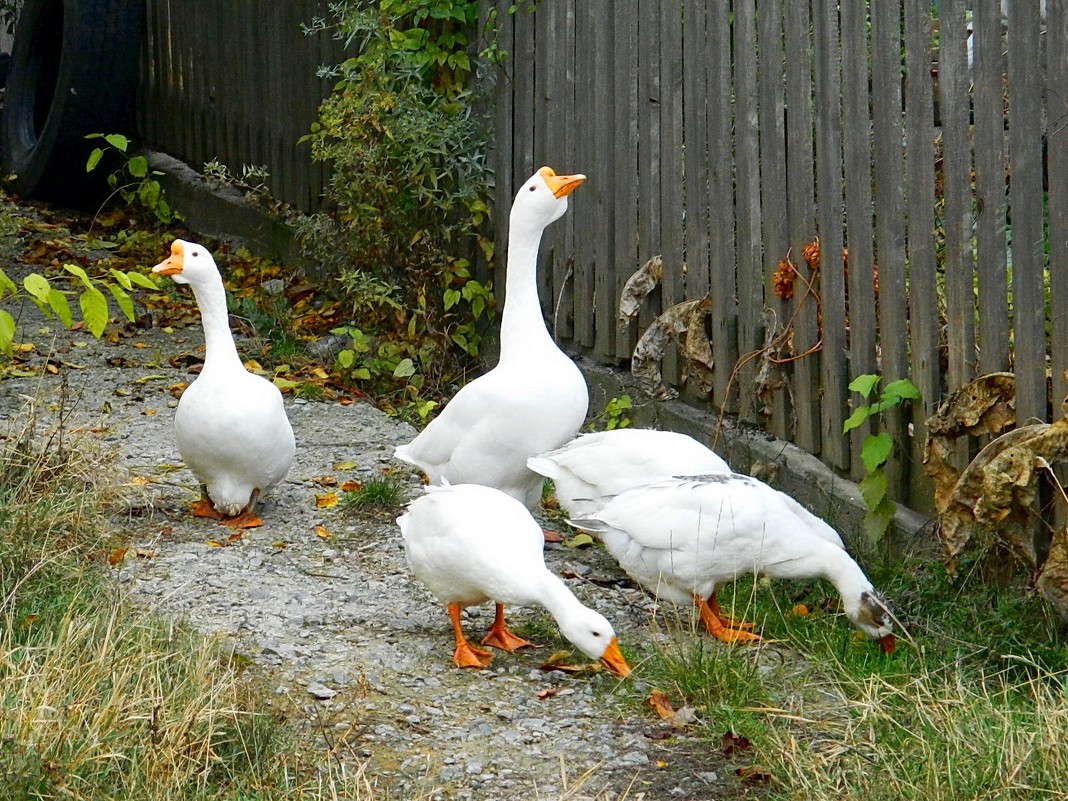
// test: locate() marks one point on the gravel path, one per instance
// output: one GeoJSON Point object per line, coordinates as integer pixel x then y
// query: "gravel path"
{"type": "Point", "coordinates": [356, 651]}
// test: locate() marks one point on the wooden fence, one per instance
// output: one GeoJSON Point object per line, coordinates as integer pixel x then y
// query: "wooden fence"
{"type": "Point", "coordinates": [726, 137]}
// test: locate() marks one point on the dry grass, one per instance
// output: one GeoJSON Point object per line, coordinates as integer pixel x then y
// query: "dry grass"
{"type": "Point", "coordinates": [101, 700]}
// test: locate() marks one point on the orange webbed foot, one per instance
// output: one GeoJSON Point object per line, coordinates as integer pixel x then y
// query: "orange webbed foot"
{"type": "Point", "coordinates": [499, 636]}
{"type": "Point", "coordinates": [467, 656]}
{"type": "Point", "coordinates": [727, 620]}
{"type": "Point", "coordinates": [719, 629]}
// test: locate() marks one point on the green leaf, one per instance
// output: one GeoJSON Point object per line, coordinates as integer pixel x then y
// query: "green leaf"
{"type": "Point", "coordinates": [117, 141]}
{"type": "Point", "coordinates": [59, 304]}
{"type": "Point", "coordinates": [346, 359]}
{"type": "Point", "coordinates": [452, 297]}
{"type": "Point", "coordinates": [141, 280]}
{"type": "Point", "coordinates": [123, 300]}
{"type": "Point", "coordinates": [864, 384]}
{"type": "Point", "coordinates": [94, 310]}
{"type": "Point", "coordinates": [38, 287]}
{"type": "Point", "coordinates": [74, 269]}
{"type": "Point", "coordinates": [7, 285]}
{"type": "Point", "coordinates": [859, 416]}
{"type": "Point", "coordinates": [873, 488]}
{"type": "Point", "coordinates": [122, 278]}
{"type": "Point", "coordinates": [362, 373]}
{"type": "Point", "coordinates": [878, 521]}
{"type": "Point", "coordinates": [901, 389]}
{"type": "Point", "coordinates": [138, 166]}
{"type": "Point", "coordinates": [94, 159]}
{"type": "Point", "coordinates": [405, 368]}
{"type": "Point", "coordinates": [876, 450]}
{"type": "Point", "coordinates": [7, 332]}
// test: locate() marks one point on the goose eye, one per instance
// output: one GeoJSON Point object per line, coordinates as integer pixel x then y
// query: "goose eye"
{"type": "Point", "coordinates": [596, 634]}
{"type": "Point", "coordinates": [533, 188]}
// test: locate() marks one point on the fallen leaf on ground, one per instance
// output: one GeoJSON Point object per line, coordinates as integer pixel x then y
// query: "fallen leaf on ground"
{"type": "Point", "coordinates": [322, 533]}
{"type": "Point", "coordinates": [731, 744]}
{"type": "Point", "coordinates": [659, 701]}
{"type": "Point", "coordinates": [116, 556]}
{"type": "Point", "coordinates": [753, 774]}
{"type": "Point", "coordinates": [325, 481]}
{"type": "Point", "coordinates": [345, 465]}
{"type": "Point", "coordinates": [325, 500]}
{"type": "Point", "coordinates": [548, 692]}
{"type": "Point", "coordinates": [350, 486]}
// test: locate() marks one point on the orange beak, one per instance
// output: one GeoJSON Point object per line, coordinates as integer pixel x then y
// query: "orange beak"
{"type": "Point", "coordinates": [174, 263]}
{"type": "Point", "coordinates": [561, 185]}
{"type": "Point", "coordinates": [614, 661]}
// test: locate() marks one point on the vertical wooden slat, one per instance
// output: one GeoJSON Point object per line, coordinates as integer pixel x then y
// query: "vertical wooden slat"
{"type": "Point", "coordinates": [988, 105]}
{"type": "Point", "coordinates": [924, 313]}
{"type": "Point", "coordinates": [890, 221]}
{"type": "Point", "coordinates": [800, 180]}
{"type": "Point", "coordinates": [542, 65]}
{"type": "Point", "coordinates": [773, 206]}
{"type": "Point", "coordinates": [860, 234]}
{"type": "Point", "coordinates": [649, 136]}
{"type": "Point", "coordinates": [829, 191]}
{"type": "Point", "coordinates": [701, 125]}
{"type": "Point", "coordinates": [672, 188]}
{"type": "Point", "coordinates": [747, 203]}
{"type": "Point", "coordinates": [625, 217]}
{"type": "Point", "coordinates": [956, 179]}
{"type": "Point", "coordinates": [1025, 188]}
{"type": "Point", "coordinates": [586, 155]}
{"type": "Point", "coordinates": [605, 186]}
{"type": "Point", "coordinates": [716, 244]}
{"type": "Point", "coordinates": [1057, 161]}
{"type": "Point", "coordinates": [502, 151]}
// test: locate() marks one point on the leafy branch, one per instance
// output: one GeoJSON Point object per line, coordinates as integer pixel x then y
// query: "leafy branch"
{"type": "Point", "coordinates": [876, 448]}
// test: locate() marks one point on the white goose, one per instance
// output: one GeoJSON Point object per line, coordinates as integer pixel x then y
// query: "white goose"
{"type": "Point", "coordinates": [535, 398]}
{"type": "Point", "coordinates": [593, 468]}
{"type": "Point", "coordinates": [683, 537]}
{"type": "Point", "coordinates": [470, 544]}
{"type": "Point", "coordinates": [231, 425]}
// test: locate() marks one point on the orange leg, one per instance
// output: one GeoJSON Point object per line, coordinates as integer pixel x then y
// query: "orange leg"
{"type": "Point", "coordinates": [718, 629]}
{"type": "Point", "coordinates": [466, 655]}
{"type": "Point", "coordinates": [499, 636]}
{"type": "Point", "coordinates": [728, 621]}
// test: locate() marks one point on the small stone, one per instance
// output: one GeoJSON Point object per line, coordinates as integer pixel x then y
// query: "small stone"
{"type": "Point", "coordinates": [320, 691]}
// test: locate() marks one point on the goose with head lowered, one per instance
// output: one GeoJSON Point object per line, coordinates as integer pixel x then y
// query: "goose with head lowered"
{"type": "Point", "coordinates": [593, 468]}
{"type": "Point", "coordinates": [469, 544]}
{"type": "Point", "coordinates": [535, 398]}
{"type": "Point", "coordinates": [231, 425]}
{"type": "Point", "coordinates": [681, 538]}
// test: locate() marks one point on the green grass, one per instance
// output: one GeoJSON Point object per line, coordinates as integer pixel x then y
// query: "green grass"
{"type": "Point", "coordinates": [100, 699]}
{"type": "Point", "coordinates": [379, 494]}
{"type": "Point", "coordinates": [972, 704]}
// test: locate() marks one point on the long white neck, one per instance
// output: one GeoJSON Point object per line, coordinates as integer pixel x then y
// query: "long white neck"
{"type": "Point", "coordinates": [557, 599]}
{"type": "Point", "coordinates": [845, 574]}
{"type": "Point", "coordinates": [522, 325]}
{"type": "Point", "coordinates": [219, 348]}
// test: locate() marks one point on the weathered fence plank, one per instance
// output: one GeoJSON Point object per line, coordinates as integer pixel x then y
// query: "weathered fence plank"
{"type": "Point", "coordinates": [749, 269]}
{"type": "Point", "coordinates": [625, 106]}
{"type": "Point", "coordinates": [1025, 189]}
{"type": "Point", "coordinates": [858, 205]}
{"type": "Point", "coordinates": [1057, 161]}
{"type": "Point", "coordinates": [649, 157]}
{"type": "Point", "coordinates": [773, 198]}
{"type": "Point", "coordinates": [672, 189]}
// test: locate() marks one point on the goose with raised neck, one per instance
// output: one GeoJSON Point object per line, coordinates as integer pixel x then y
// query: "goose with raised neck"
{"type": "Point", "coordinates": [535, 399]}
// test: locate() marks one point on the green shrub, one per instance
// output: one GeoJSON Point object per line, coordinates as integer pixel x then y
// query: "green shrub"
{"type": "Point", "coordinates": [408, 193]}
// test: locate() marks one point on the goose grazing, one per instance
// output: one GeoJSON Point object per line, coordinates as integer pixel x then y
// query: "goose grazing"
{"type": "Point", "coordinates": [535, 398]}
{"type": "Point", "coordinates": [231, 425]}
{"type": "Point", "coordinates": [681, 538]}
{"type": "Point", "coordinates": [471, 544]}
{"type": "Point", "coordinates": [593, 468]}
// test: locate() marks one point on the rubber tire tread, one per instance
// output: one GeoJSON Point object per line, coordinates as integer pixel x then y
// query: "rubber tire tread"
{"type": "Point", "coordinates": [96, 44]}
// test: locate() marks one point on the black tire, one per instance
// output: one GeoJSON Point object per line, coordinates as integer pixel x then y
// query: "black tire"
{"type": "Point", "coordinates": [73, 72]}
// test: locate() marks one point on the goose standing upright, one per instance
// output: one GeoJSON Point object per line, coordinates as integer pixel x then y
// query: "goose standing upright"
{"type": "Point", "coordinates": [535, 398]}
{"type": "Point", "coordinates": [593, 468]}
{"type": "Point", "coordinates": [231, 425]}
{"type": "Point", "coordinates": [470, 544]}
{"type": "Point", "coordinates": [683, 537]}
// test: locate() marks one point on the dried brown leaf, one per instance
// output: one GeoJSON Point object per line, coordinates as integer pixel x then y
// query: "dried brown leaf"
{"type": "Point", "coordinates": [659, 701]}
{"type": "Point", "coordinates": [638, 287]}
{"type": "Point", "coordinates": [683, 323]}
{"type": "Point", "coordinates": [732, 744]}
{"type": "Point", "coordinates": [1052, 580]}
